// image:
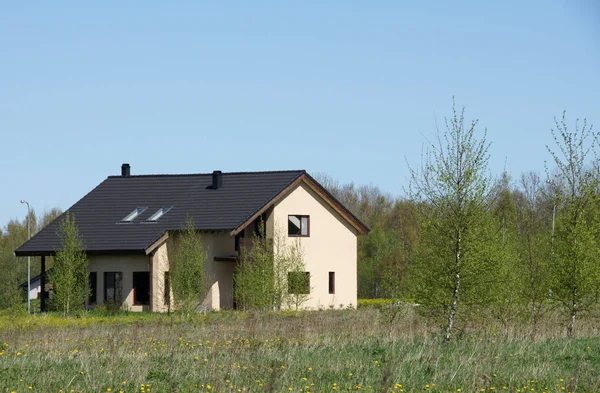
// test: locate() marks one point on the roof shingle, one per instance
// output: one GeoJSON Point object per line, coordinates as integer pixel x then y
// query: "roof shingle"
{"type": "Point", "coordinates": [98, 214]}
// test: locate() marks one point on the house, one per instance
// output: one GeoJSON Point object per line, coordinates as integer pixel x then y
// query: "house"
{"type": "Point", "coordinates": [129, 223]}
{"type": "Point", "coordinates": [35, 286]}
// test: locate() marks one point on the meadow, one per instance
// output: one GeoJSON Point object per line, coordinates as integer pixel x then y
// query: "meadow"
{"type": "Point", "coordinates": [326, 351]}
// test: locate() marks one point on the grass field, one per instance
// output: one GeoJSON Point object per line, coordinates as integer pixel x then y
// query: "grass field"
{"type": "Point", "coordinates": [349, 350]}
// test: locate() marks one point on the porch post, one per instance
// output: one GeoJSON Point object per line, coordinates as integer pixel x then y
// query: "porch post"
{"type": "Point", "coordinates": [43, 285]}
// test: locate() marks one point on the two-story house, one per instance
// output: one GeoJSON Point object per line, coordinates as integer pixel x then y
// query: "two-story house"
{"type": "Point", "coordinates": [127, 224]}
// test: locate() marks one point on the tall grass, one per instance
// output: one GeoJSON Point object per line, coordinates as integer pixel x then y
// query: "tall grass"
{"type": "Point", "coordinates": [348, 350]}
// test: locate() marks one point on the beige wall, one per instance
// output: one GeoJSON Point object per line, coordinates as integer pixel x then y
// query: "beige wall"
{"type": "Point", "coordinates": [331, 247]}
{"type": "Point", "coordinates": [220, 274]}
{"type": "Point", "coordinates": [160, 265]}
{"type": "Point", "coordinates": [127, 264]}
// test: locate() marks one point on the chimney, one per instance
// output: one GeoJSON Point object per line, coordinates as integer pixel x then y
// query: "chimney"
{"type": "Point", "coordinates": [125, 170]}
{"type": "Point", "coordinates": [217, 180]}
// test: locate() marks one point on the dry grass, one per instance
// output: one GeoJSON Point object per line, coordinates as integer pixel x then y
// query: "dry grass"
{"type": "Point", "coordinates": [307, 352]}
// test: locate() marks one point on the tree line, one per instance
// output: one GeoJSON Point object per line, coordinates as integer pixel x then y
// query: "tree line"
{"type": "Point", "coordinates": [462, 243]}
{"type": "Point", "coordinates": [465, 244]}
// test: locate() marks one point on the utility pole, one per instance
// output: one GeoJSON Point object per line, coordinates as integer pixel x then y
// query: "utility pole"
{"type": "Point", "coordinates": [29, 259]}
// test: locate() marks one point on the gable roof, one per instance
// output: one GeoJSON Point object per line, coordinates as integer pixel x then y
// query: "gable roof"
{"type": "Point", "coordinates": [33, 279]}
{"type": "Point", "coordinates": [99, 214]}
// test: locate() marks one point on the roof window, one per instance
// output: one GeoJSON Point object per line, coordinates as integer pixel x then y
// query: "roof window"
{"type": "Point", "coordinates": [159, 213]}
{"type": "Point", "coordinates": [131, 216]}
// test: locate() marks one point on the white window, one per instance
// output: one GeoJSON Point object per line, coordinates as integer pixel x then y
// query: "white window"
{"type": "Point", "coordinates": [131, 216]}
{"type": "Point", "coordinates": [159, 213]}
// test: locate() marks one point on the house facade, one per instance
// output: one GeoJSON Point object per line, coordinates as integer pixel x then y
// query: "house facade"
{"type": "Point", "coordinates": [130, 226]}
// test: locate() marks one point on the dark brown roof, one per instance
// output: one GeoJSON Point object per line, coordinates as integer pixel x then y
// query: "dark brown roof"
{"type": "Point", "coordinates": [98, 215]}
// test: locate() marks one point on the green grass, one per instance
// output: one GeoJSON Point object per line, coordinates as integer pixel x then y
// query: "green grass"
{"type": "Point", "coordinates": [301, 352]}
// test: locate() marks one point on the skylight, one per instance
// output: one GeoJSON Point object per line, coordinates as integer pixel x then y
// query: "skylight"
{"type": "Point", "coordinates": [159, 213]}
{"type": "Point", "coordinates": [131, 216]}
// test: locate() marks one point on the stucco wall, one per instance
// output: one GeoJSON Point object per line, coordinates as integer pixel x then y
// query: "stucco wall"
{"type": "Point", "coordinates": [160, 265]}
{"type": "Point", "coordinates": [220, 274]}
{"type": "Point", "coordinates": [127, 264]}
{"type": "Point", "coordinates": [331, 247]}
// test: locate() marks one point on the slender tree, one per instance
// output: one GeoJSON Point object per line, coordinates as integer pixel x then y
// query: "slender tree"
{"type": "Point", "coordinates": [69, 277]}
{"type": "Point", "coordinates": [574, 243]}
{"type": "Point", "coordinates": [187, 271]}
{"type": "Point", "coordinates": [271, 273]}
{"type": "Point", "coordinates": [254, 276]}
{"type": "Point", "coordinates": [534, 246]}
{"type": "Point", "coordinates": [294, 283]}
{"type": "Point", "coordinates": [452, 190]}
{"type": "Point", "coordinates": [506, 302]}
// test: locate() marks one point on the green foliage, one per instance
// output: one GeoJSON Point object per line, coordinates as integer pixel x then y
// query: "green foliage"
{"type": "Point", "coordinates": [533, 248]}
{"type": "Point", "coordinates": [285, 352]}
{"type": "Point", "coordinates": [69, 277]}
{"type": "Point", "coordinates": [294, 290]}
{"type": "Point", "coordinates": [269, 273]}
{"type": "Point", "coordinates": [14, 269]}
{"type": "Point", "coordinates": [374, 303]}
{"type": "Point", "coordinates": [575, 247]}
{"type": "Point", "coordinates": [187, 272]}
{"type": "Point", "coordinates": [254, 276]}
{"type": "Point", "coordinates": [505, 299]}
{"type": "Point", "coordinates": [455, 260]}
{"type": "Point", "coordinates": [383, 262]}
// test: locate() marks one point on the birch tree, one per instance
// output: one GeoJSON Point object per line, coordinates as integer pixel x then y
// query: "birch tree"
{"type": "Point", "coordinates": [574, 243]}
{"type": "Point", "coordinates": [506, 297]}
{"type": "Point", "coordinates": [69, 277]}
{"type": "Point", "coordinates": [271, 274]}
{"type": "Point", "coordinates": [534, 246]}
{"type": "Point", "coordinates": [187, 273]}
{"type": "Point", "coordinates": [452, 188]}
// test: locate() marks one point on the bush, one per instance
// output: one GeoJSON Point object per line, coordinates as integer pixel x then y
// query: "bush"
{"type": "Point", "coordinates": [374, 303]}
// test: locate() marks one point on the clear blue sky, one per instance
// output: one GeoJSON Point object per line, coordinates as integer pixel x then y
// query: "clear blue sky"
{"type": "Point", "coordinates": [345, 88]}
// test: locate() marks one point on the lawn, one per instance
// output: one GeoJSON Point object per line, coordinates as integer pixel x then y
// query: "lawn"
{"type": "Point", "coordinates": [348, 350]}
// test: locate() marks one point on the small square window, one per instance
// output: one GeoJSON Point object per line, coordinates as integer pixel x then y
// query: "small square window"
{"type": "Point", "coordinates": [298, 225]}
{"type": "Point", "coordinates": [131, 216]}
{"type": "Point", "coordinates": [299, 283]}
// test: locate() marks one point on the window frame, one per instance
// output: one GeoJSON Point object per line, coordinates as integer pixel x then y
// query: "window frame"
{"type": "Point", "coordinates": [300, 216]}
{"type": "Point", "coordinates": [133, 286]}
